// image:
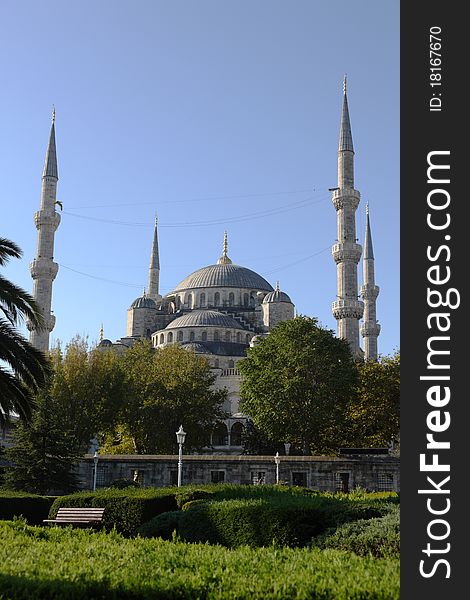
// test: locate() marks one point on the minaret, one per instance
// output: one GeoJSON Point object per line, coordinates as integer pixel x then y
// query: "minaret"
{"type": "Point", "coordinates": [154, 269]}
{"type": "Point", "coordinates": [43, 269]}
{"type": "Point", "coordinates": [347, 309]}
{"type": "Point", "coordinates": [370, 329]}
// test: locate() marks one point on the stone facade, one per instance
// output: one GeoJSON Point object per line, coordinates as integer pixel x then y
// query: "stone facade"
{"type": "Point", "coordinates": [324, 473]}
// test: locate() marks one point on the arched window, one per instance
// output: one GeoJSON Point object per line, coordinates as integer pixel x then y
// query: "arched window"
{"type": "Point", "coordinates": [236, 434]}
{"type": "Point", "coordinates": [252, 300]}
{"type": "Point", "coordinates": [239, 337]}
{"type": "Point", "coordinates": [178, 302]}
{"type": "Point", "coordinates": [220, 435]}
{"type": "Point", "coordinates": [217, 299]}
{"type": "Point", "coordinates": [216, 336]}
{"type": "Point", "coordinates": [246, 299]}
{"type": "Point", "coordinates": [180, 336]}
{"type": "Point", "coordinates": [231, 299]}
{"type": "Point", "coordinates": [190, 300]}
{"type": "Point", "coordinates": [191, 336]}
{"type": "Point", "coordinates": [228, 336]}
{"type": "Point", "coordinates": [216, 363]}
{"type": "Point", "coordinates": [204, 336]}
{"type": "Point", "coordinates": [231, 364]}
{"type": "Point", "coordinates": [162, 338]}
{"type": "Point", "coordinates": [202, 299]}
{"type": "Point", "coordinates": [170, 337]}
{"type": "Point", "coordinates": [247, 338]}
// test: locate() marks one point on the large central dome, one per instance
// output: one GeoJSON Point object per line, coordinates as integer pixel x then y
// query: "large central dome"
{"type": "Point", "coordinates": [224, 275]}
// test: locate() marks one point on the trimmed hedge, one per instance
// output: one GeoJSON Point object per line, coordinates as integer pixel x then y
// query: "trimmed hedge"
{"type": "Point", "coordinates": [124, 509]}
{"type": "Point", "coordinates": [378, 537]}
{"type": "Point", "coordinates": [287, 520]}
{"type": "Point", "coordinates": [30, 506]}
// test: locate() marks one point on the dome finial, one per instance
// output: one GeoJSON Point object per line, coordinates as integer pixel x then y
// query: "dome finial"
{"type": "Point", "coordinates": [144, 295]}
{"type": "Point", "coordinates": [224, 259]}
{"type": "Point", "coordinates": [345, 82]}
{"type": "Point", "coordinates": [225, 243]}
{"type": "Point", "coordinates": [53, 113]}
{"type": "Point", "coordinates": [278, 289]}
{"type": "Point", "coordinates": [101, 333]}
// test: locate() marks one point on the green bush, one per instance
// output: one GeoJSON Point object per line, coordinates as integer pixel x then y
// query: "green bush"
{"type": "Point", "coordinates": [121, 484]}
{"type": "Point", "coordinates": [47, 563]}
{"type": "Point", "coordinates": [189, 495]}
{"type": "Point", "coordinates": [32, 507]}
{"type": "Point", "coordinates": [378, 537]}
{"type": "Point", "coordinates": [125, 509]}
{"type": "Point", "coordinates": [287, 521]}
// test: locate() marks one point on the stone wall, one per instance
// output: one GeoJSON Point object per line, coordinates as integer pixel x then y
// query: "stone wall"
{"type": "Point", "coordinates": [325, 473]}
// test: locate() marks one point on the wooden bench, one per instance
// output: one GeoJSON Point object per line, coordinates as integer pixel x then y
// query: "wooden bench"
{"type": "Point", "coordinates": [77, 516]}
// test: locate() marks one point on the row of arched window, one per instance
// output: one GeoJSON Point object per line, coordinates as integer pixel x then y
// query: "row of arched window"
{"type": "Point", "coordinates": [201, 300]}
{"type": "Point", "coordinates": [222, 437]}
{"type": "Point", "coordinates": [227, 336]}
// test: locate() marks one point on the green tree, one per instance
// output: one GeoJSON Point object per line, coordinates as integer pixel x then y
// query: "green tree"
{"type": "Point", "coordinates": [44, 453]}
{"type": "Point", "coordinates": [23, 368]}
{"type": "Point", "coordinates": [375, 412]}
{"type": "Point", "coordinates": [297, 384]}
{"type": "Point", "coordinates": [87, 389]}
{"type": "Point", "coordinates": [164, 389]}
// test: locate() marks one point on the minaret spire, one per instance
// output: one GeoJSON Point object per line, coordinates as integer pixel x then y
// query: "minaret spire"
{"type": "Point", "coordinates": [154, 269]}
{"type": "Point", "coordinates": [347, 309]}
{"type": "Point", "coordinates": [370, 329]}
{"type": "Point", "coordinates": [43, 269]}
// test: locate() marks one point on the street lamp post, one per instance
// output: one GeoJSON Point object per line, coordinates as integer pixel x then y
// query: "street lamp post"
{"type": "Point", "coordinates": [180, 435]}
{"type": "Point", "coordinates": [95, 470]}
{"type": "Point", "coordinates": [277, 460]}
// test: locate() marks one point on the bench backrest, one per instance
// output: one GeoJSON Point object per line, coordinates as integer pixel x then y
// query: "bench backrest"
{"type": "Point", "coordinates": [77, 514]}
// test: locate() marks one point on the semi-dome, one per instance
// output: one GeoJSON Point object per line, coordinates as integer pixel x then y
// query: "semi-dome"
{"type": "Point", "coordinates": [143, 302]}
{"type": "Point", "coordinates": [224, 275]}
{"type": "Point", "coordinates": [197, 347]}
{"type": "Point", "coordinates": [204, 318]}
{"type": "Point", "coordinates": [276, 296]}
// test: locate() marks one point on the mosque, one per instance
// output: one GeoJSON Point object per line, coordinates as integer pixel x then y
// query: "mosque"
{"type": "Point", "coordinates": [222, 309]}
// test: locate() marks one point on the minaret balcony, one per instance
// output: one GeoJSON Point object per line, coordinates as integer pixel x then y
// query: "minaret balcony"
{"type": "Point", "coordinates": [346, 251]}
{"type": "Point", "coordinates": [370, 329]}
{"type": "Point", "coordinates": [344, 309]}
{"type": "Point", "coordinates": [43, 268]}
{"type": "Point", "coordinates": [48, 324]}
{"type": "Point", "coordinates": [369, 291]}
{"type": "Point", "coordinates": [46, 218]}
{"type": "Point", "coordinates": [346, 198]}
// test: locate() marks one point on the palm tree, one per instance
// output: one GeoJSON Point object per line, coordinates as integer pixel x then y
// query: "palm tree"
{"type": "Point", "coordinates": [23, 368]}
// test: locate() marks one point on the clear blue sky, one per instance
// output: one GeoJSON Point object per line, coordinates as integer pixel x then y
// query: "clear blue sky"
{"type": "Point", "coordinates": [220, 112]}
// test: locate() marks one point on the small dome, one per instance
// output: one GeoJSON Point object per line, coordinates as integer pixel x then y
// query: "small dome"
{"type": "Point", "coordinates": [105, 343]}
{"type": "Point", "coordinates": [143, 302]}
{"type": "Point", "coordinates": [276, 296]}
{"type": "Point", "coordinates": [204, 318]}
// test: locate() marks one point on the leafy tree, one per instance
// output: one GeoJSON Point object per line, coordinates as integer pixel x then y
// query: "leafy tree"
{"type": "Point", "coordinates": [23, 368]}
{"type": "Point", "coordinates": [87, 389]}
{"type": "Point", "coordinates": [297, 383]}
{"type": "Point", "coordinates": [44, 453]}
{"type": "Point", "coordinates": [375, 412]}
{"type": "Point", "coordinates": [164, 389]}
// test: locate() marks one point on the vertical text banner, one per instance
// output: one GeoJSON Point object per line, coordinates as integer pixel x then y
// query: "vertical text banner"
{"type": "Point", "coordinates": [435, 335]}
